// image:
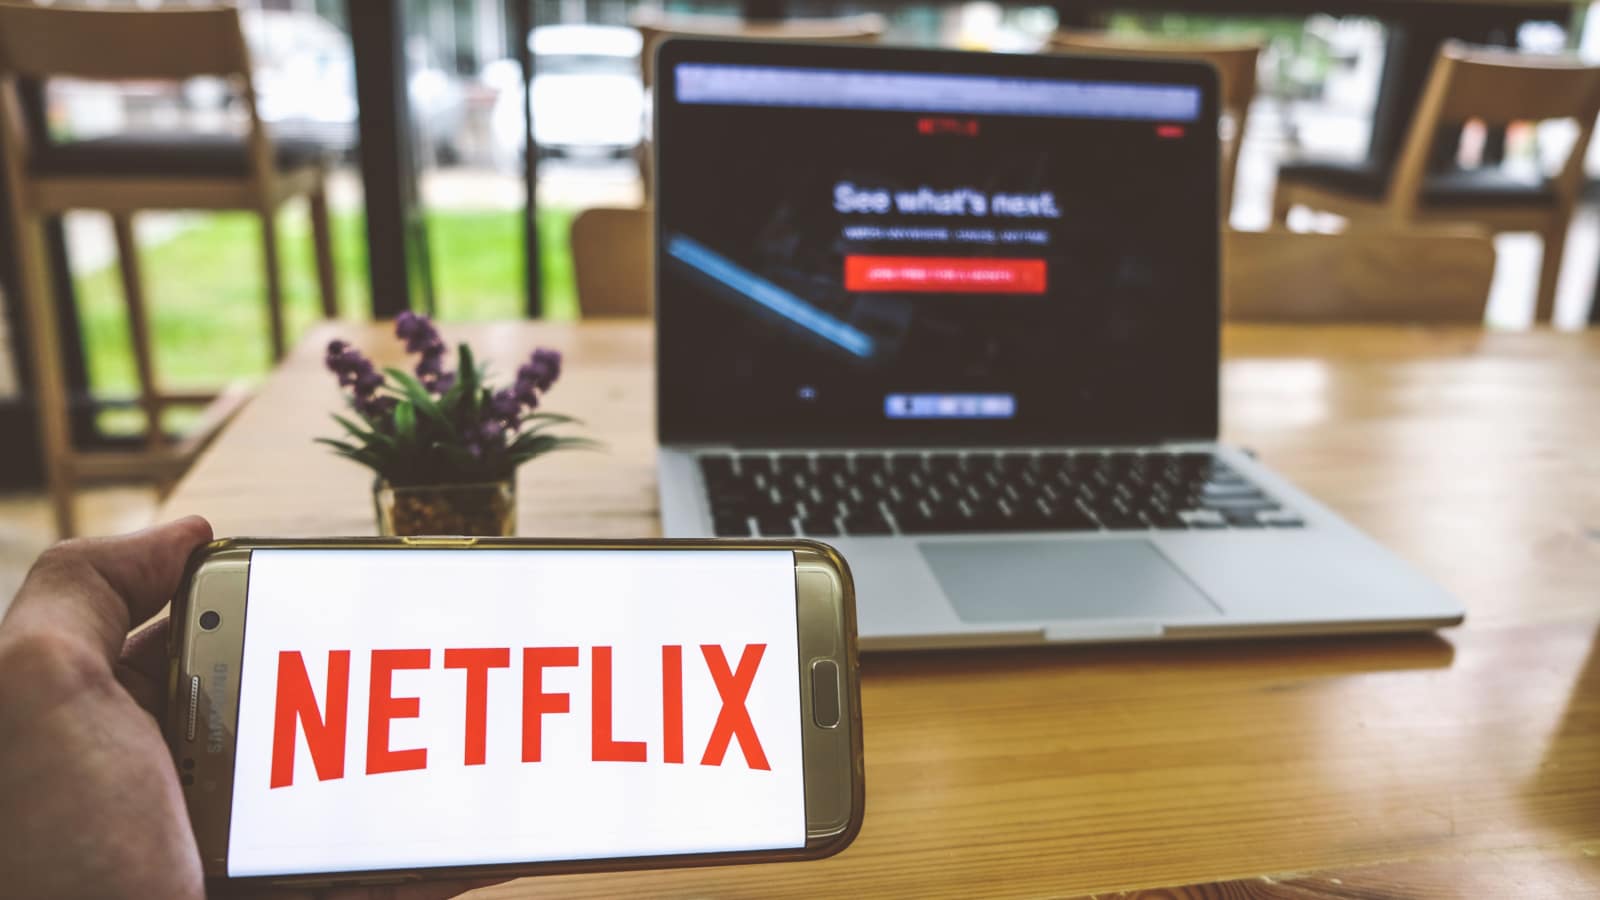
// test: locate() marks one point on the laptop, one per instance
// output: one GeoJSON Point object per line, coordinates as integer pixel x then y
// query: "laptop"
{"type": "Point", "coordinates": [957, 314]}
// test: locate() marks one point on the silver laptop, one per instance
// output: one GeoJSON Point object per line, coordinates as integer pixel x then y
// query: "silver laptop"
{"type": "Point", "coordinates": [957, 315]}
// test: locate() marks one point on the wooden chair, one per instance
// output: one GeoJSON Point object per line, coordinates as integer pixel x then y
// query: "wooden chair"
{"type": "Point", "coordinates": [1388, 275]}
{"type": "Point", "coordinates": [128, 173]}
{"type": "Point", "coordinates": [612, 255]}
{"type": "Point", "coordinates": [1497, 87]}
{"type": "Point", "coordinates": [1235, 62]}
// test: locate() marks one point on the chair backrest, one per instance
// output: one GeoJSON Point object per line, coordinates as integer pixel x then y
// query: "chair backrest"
{"type": "Point", "coordinates": [1362, 275]}
{"type": "Point", "coordinates": [1498, 87]}
{"type": "Point", "coordinates": [612, 255]}
{"type": "Point", "coordinates": [1235, 62]}
{"type": "Point", "coordinates": [121, 44]}
{"type": "Point", "coordinates": [44, 42]}
{"type": "Point", "coordinates": [656, 27]}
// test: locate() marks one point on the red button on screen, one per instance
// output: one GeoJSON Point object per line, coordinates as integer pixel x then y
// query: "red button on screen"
{"type": "Point", "coordinates": [944, 275]}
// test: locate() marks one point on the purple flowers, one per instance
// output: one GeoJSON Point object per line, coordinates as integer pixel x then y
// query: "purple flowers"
{"type": "Point", "coordinates": [540, 372]}
{"type": "Point", "coordinates": [534, 379]}
{"type": "Point", "coordinates": [504, 406]}
{"type": "Point", "coordinates": [444, 427]}
{"type": "Point", "coordinates": [421, 337]}
{"type": "Point", "coordinates": [357, 373]}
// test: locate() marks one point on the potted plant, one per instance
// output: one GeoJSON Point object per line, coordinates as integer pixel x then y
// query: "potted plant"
{"type": "Point", "coordinates": [445, 446]}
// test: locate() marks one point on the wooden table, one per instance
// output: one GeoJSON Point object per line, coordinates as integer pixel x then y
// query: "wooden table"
{"type": "Point", "coordinates": [1464, 763]}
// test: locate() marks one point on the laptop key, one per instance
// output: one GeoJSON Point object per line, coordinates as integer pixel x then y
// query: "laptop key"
{"type": "Point", "coordinates": [1202, 518]}
{"type": "Point", "coordinates": [1164, 521]}
{"type": "Point", "coordinates": [1068, 516]}
{"type": "Point", "coordinates": [731, 526]}
{"type": "Point", "coordinates": [831, 463]}
{"type": "Point", "coordinates": [790, 464]}
{"type": "Point", "coordinates": [1229, 488]}
{"type": "Point", "coordinates": [775, 526]}
{"type": "Point", "coordinates": [868, 463]}
{"type": "Point", "coordinates": [1243, 503]}
{"type": "Point", "coordinates": [1016, 462]}
{"type": "Point", "coordinates": [981, 462]}
{"type": "Point", "coordinates": [718, 466]}
{"type": "Point", "coordinates": [1117, 520]}
{"type": "Point", "coordinates": [818, 526]}
{"type": "Point", "coordinates": [906, 462]}
{"type": "Point", "coordinates": [867, 521]}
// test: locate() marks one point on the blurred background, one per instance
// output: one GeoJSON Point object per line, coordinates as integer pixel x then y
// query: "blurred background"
{"type": "Point", "coordinates": [464, 183]}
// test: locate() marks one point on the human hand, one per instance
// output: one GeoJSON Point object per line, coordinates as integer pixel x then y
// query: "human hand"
{"type": "Point", "coordinates": [87, 785]}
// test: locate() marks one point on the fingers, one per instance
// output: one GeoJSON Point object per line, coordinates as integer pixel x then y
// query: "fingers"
{"type": "Point", "coordinates": [143, 669]}
{"type": "Point", "coordinates": [96, 589]}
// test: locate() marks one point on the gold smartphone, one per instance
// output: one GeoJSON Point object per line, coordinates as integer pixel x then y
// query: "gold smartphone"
{"type": "Point", "coordinates": [384, 710]}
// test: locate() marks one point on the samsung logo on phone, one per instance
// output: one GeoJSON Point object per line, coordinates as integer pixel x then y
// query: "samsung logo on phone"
{"type": "Point", "coordinates": [219, 690]}
{"type": "Point", "coordinates": [325, 726]}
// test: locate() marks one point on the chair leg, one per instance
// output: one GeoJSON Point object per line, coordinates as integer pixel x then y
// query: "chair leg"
{"type": "Point", "coordinates": [1555, 246]}
{"type": "Point", "coordinates": [1282, 202]}
{"type": "Point", "coordinates": [49, 382]}
{"type": "Point", "coordinates": [269, 252]}
{"type": "Point", "coordinates": [138, 327]}
{"type": "Point", "coordinates": [321, 236]}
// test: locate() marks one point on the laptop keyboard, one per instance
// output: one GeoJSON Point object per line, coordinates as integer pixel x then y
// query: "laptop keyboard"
{"type": "Point", "coordinates": [831, 494]}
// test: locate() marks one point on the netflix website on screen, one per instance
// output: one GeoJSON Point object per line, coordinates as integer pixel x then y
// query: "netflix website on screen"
{"type": "Point", "coordinates": [852, 239]}
{"type": "Point", "coordinates": [417, 708]}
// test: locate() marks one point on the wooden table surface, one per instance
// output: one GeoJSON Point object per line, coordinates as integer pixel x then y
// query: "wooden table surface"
{"type": "Point", "coordinates": [1462, 763]}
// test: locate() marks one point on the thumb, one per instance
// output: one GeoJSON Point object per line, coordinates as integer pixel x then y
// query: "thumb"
{"type": "Point", "coordinates": [99, 588]}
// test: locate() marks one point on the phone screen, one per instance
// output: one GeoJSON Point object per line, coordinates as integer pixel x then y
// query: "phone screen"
{"type": "Point", "coordinates": [404, 709]}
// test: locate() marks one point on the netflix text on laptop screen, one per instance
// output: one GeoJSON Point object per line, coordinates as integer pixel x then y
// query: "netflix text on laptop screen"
{"type": "Point", "coordinates": [862, 244]}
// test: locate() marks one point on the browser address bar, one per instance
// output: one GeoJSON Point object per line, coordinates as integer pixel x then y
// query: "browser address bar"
{"type": "Point", "coordinates": [929, 92]}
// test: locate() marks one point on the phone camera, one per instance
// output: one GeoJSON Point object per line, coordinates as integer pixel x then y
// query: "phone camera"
{"type": "Point", "coordinates": [209, 620]}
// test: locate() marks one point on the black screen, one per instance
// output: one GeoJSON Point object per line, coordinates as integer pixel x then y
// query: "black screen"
{"type": "Point", "coordinates": [884, 247]}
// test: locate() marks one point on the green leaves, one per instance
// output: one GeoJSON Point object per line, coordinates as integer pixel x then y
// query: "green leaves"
{"type": "Point", "coordinates": [450, 438]}
{"type": "Point", "coordinates": [405, 423]}
{"type": "Point", "coordinates": [421, 401]}
{"type": "Point", "coordinates": [365, 457]}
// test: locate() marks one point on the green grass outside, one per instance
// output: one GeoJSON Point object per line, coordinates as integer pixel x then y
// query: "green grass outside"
{"type": "Point", "coordinates": [207, 303]}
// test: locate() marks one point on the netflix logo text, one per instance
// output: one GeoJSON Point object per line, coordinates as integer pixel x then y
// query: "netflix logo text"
{"type": "Point", "coordinates": [324, 727]}
{"type": "Point", "coordinates": [407, 708]}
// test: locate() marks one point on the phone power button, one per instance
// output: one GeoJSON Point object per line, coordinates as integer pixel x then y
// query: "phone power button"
{"type": "Point", "coordinates": [825, 692]}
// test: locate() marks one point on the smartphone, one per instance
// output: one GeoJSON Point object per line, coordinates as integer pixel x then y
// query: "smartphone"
{"type": "Point", "coordinates": [384, 710]}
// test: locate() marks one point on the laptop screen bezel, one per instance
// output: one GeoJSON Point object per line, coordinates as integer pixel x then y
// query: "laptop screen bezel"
{"type": "Point", "coordinates": [1204, 374]}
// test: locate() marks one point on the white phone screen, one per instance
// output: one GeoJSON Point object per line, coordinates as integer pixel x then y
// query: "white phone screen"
{"type": "Point", "coordinates": [404, 709]}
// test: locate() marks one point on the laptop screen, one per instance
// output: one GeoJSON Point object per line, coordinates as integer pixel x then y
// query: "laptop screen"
{"type": "Point", "coordinates": [890, 247]}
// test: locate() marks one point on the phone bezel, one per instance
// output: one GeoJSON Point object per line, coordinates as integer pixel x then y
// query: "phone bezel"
{"type": "Point", "coordinates": [219, 572]}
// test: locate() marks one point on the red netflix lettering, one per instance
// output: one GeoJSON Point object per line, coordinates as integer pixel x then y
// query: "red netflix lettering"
{"type": "Point", "coordinates": [477, 662]}
{"type": "Point", "coordinates": [672, 703]}
{"type": "Point", "coordinates": [603, 748]}
{"type": "Point", "coordinates": [535, 702]}
{"type": "Point", "coordinates": [325, 730]}
{"type": "Point", "coordinates": [734, 720]}
{"type": "Point", "coordinates": [383, 708]}
{"type": "Point", "coordinates": [296, 702]}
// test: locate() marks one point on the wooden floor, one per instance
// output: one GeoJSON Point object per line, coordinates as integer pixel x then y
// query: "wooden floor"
{"type": "Point", "coordinates": [26, 527]}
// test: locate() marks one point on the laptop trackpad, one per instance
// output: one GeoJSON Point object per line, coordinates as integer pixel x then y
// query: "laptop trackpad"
{"type": "Point", "coordinates": [1044, 581]}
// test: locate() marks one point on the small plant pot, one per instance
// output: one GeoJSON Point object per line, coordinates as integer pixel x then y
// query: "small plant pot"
{"type": "Point", "coordinates": [485, 509]}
